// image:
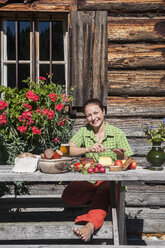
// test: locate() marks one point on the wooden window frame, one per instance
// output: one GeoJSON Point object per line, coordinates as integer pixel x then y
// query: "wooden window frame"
{"type": "Point", "coordinates": [34, 45]}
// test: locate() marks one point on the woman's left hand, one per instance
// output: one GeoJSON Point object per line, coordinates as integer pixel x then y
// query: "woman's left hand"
{"type": "Point", "coordinates": [119, 152]}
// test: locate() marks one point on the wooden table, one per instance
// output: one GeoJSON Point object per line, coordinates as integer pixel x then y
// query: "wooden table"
{"type": "Point", "coordinates": [123, 178]}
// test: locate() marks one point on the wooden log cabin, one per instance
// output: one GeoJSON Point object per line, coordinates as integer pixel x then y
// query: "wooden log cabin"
{"type": "Point", "coordinates": [111, 49]}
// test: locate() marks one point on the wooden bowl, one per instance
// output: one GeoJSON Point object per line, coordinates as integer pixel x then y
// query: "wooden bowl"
{"type": "Point", "coordinates": [54, 166]}
{"type": "Point", "coordinates": [115, 168]}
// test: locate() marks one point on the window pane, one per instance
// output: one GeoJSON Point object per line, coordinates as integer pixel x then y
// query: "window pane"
{"type": "Point", "coordinates": [58, 44]}
{"type": "Point", "coordinates": [59, 74]}
{"type": "Point", "coordinates": [24, 72]}
{"type": "Point", "coordinates": [44, 71]}
{"type": "Point", "coordinates": [9, 40]}
{"type": "Point", "coordinates": [44, 40]}
{"type": "Point", "coordinates": [24, 40]}
{"type": "Point", "coordinates": [11, 75]}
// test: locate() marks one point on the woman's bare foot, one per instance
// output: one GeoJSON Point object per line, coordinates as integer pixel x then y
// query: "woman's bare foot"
{"type": "Point", "coordinates": [85, 232]}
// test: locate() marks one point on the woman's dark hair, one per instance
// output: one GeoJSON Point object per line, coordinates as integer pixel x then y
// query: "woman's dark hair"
{"type": "Point", "coordinates": [93, 101]}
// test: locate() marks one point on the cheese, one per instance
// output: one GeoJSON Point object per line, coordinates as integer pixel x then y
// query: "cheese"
{"type": "Point", "coordinates": [105, 161]}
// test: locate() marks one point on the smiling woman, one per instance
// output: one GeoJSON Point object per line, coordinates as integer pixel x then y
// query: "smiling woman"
{"type": "Point", "coordinates": [93, 141]}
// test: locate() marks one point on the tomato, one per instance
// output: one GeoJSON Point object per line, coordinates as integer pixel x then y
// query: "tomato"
{"type": "Point", "coordinates": [118, 162]}
{"type": "Point", "coordinates": [77, 165]}
{"type": "Point", "coordinates": [133, 165]}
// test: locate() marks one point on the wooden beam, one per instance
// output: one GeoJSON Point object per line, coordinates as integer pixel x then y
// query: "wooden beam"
{"type": "Point", "coordinates": [36, 7]}
{"type": "Point", "coordinates": [120, 6]}
{"type": "Point", "coordinates": [136, 29]}
{"type": "Point", "coordinates": [139, 55]}
{"type": "Point", "coordinates": [136, 82]}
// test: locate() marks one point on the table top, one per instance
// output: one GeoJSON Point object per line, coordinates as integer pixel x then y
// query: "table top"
{"type": "Point", "coordinates": [139, 174]}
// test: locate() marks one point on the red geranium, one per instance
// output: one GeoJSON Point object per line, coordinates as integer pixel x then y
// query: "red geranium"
{"type": "Point", "coordinates": [56, 140]}
{"type": "Point", "coordinates": [59, 106]}
{"type": "Point", "coordinates": [51, 114]}
{"type": "Point", "coordinates": [36, 130]}
{"type": "Point", "coordinates": [3, 119]}
{"type": "Point", "coordinates": [22, 129]}
{"type": "Point", "coordinates": [53, 97]}
{"type": "Point", "coordinates": [32, 96]}
{"type": "Point", "coordinates": [3, 105]}
{"type": "Point", "coordinates": [28, 106]}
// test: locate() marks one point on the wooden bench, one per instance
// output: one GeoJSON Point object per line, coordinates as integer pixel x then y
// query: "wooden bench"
{"type": "Point", "coordinates": [46, 226]}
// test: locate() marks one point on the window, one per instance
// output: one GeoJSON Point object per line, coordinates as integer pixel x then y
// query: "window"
{"type": "Point", "coordinates": [32, 48]}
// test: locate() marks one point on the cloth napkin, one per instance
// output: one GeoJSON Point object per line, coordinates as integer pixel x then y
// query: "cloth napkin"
{"type": "Point", "coordinates": [25, 164]}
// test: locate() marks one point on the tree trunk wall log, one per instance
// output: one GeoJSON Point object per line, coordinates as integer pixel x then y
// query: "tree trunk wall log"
{"type": "Point", "coordinates": [120, 6]}
{"type": "Point", "coordinates": [136, 106]}
{"type": "Point", "coordinates": [141, 55]}
{"type": "Point", "coordinates": [135, 29]}
{"type": "Point", "coordinates": [136, 82]}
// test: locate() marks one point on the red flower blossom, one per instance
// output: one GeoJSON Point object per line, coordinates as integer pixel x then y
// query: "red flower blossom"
{"type": "Point", "coordinates": [29, 122]}
{"type": "Point", "coordinates": [38, 110]}
{"type": "Point", "coordinates": [51, 114]}
{"type": "Point", "coordinates": [3, 119]}
{"type": "Point", "coordinates": [22, 129]}
{"type": "Point", "coordinates": [56, 140]}
{"type": "Point", "coordinates": [53, 97]}
{"type": "Point", "coordinates": [25, 116]}
{"type": "Point", "coordinates": [60, 123]}
{"type": "Point", "coordinates": [36, 130]}
{"type": "Point", "coordinates": [28, 106]}
{"type": "Point", "coordinates": [59, 106]}
{"type": "Point", "coordinates": [45, 111]}
{"type": "Point", "coordinates": [32, 96]}
{"type": "Point", "coordinates": [3, 105]}
{"type": "Point", "coordinates": [42, 78]}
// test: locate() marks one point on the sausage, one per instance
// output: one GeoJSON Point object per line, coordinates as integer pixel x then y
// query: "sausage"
{"type": "Point", "coordinates": [48, 153]}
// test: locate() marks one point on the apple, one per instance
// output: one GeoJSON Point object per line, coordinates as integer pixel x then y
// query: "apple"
{"type": "Point", "coordinates": [133, 165]}
{"type": "Point", "coordinates": [118, 162]}
{"type": "Point", "coordinates": [102, 170]}
{"type": "Point", "coordinates": [90, 170]}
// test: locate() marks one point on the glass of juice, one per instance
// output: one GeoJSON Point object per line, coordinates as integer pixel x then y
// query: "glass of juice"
{"type": "Point", "coordinates": [65, 150]}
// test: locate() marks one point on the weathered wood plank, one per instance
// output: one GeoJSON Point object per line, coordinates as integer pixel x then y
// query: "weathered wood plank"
{"type": "Point", "coordinates": [136, 82]}
{"type": "Point", "coordinates": [47, 230]}
{"type": "Point", "coordinates": [136, 106]}
{"type": "Point", "coordinates": [89, 56]}
{"type": "Point", "coordinates": [122, 5]}
{"type": "Point", "coordinates": [136, 29]}
{"type": "Point", "coordinates": [146, 220]}
{"type": "Point", "coordinates": [139, 55]}
{"type": "Point", "coordinates": [139, 174]}
{"type": "Point", "coordinates": [146, 199]}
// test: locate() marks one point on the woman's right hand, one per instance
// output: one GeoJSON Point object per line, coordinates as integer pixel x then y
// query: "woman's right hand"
{"type": "Point", "coordinates": [97, 148]}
